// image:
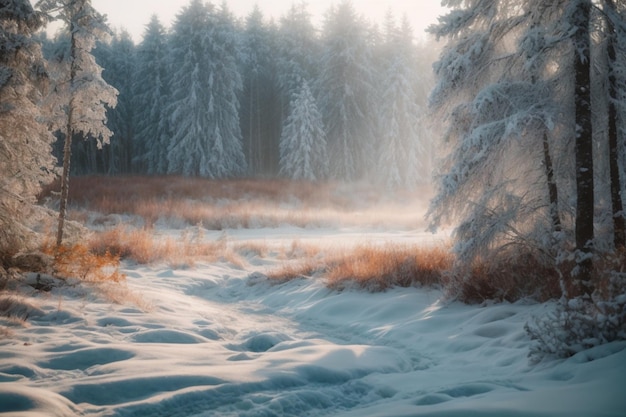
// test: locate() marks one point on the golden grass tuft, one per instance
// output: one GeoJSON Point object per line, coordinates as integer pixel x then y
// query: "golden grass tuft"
{"type": "Point", "coordinates": [144, 247]}
{"type": "Point", "coordinates": [372, 267]}
{"type": "Point", "coordinates": [300, 269]}
{"type": "Point", "coordinates": [79, 261]}
{"type": "Point", "coordinates": [378, 267]}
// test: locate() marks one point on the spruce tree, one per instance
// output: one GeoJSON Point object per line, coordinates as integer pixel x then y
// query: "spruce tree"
{"type": "Point", "coordinates": [345, 92]}
{"type": "Point", "coordinates": [402, 155]}
{"type": "Point", "coordinates": [206, 135]}
{"type": "Point", "coordinates": [303, 154]}
{"type": "Point", "coordinates": [26, 161]}
{"type": "Point", "coordinates": [151, 93]}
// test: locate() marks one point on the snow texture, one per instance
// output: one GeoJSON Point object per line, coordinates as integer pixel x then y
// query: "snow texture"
{"type": "Point", "coordinates": [219, 340]}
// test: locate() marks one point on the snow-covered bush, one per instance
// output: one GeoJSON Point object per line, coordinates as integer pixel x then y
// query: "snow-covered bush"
{"type": "Point", "coordinates": [577, 324]}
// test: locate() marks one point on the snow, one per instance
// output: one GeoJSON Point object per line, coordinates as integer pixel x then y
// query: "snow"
{"type": "Point", "coordinates": [219, 340]}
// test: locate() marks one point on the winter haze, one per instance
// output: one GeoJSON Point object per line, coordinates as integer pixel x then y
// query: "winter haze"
{"type": "Point", "coordinates": [214, 209]}
{"type": "Point", "coordinates": [134, 14]}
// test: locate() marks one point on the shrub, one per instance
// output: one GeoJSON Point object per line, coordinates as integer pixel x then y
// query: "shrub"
{"type": "Point", "coordinates": [144, 247]}
{"type": "Point", "coordinates": [580, 323]}
{"type": "Point", "coordinates": [509, 276]}
{"type": "Point", "coordinates": [78, 261]}
{"type": "Point", "coordinates": [377, 268]}
{"type": "Point", "coordinates": [372, 267]}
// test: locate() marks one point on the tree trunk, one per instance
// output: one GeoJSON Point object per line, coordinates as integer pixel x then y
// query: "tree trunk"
{"type": "Point", "coordinates": [67, 148]}
{"type": "Point", "coordinates": [583, 149]}
{"type": "Point", "coordinates": [552, 187]}
{"type": "Point", "coordinates": [619, 228]}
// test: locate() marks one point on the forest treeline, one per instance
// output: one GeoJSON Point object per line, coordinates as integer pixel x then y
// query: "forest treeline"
{"type": "Point", "coordinates": [217, 96]}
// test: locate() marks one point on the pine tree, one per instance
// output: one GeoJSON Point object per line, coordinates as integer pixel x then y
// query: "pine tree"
{"type": "Point", "coordinates": [482, 183]}
{"type": "Point", "coordinates": [345, 92]}
{"type": "Point", "coordinates": [258, 81]}
{"type": "Point", "coordinates": [151, 92]}
{"type": "Point", "coordinates": [25, 142]}
{"type": "Point", "coordinates": [400, 148]}
{"type": "Point", "coordinates": [303, 154]}
{"type": "Point", "coordinates": [84, 93]}
{"type": "Point", "coordinates": [299, 51]}
{"type": "Point", "coordinates": [119, 63]}
{"type": "Point", "coordinates": [206, 82]}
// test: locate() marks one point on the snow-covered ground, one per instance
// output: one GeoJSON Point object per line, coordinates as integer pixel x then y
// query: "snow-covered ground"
{"type": "Point", "coordinates": [219, 340]}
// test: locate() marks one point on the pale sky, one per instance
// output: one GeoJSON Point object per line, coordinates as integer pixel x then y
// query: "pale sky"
{"type": "Point", "coordinates": [135, 14]}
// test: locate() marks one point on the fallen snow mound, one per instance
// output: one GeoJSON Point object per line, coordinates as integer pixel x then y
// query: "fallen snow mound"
{"type": "Point", "coordinates": [219, 341]}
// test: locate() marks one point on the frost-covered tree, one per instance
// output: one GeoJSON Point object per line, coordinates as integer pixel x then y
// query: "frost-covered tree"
{"type": "Point", "coordinates": [259, 118]}
{"type": "Point", "coordinates": [26, 161]}
{"type": "Point", "coordinates": [205, 85]}
{"type": "Point", "coordinates": [80, 93]}
{"type": "Point", "coordinates": [299, 50]}
{"type": "Point", "coordinates": [151, 93]}
{"type": "Point", "coordinates": [118, 61]}
{"type": "Point", "coordinates": [345, 92]}
{"type": "Point", "coordinates": [482, 181]}
{"type": "Point", "coordinates": [303, 152]}
{"type": "Point", "coordinates": [227, 155]}
{"type": "Point", "coordinates": [516, 84]}
{"type": "Point", "coordinates": [402, 154]}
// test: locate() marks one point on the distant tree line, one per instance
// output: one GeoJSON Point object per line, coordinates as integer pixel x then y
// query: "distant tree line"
{"type": "Point", "coordinates": [216, 96]}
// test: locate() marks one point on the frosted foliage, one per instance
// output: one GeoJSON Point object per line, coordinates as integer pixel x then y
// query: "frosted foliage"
{"type": "Point", "coordinates": [503, 95]}
{"type": "Point", "coordinates": [402, 153]}
{"type": "Point", "coordinates": [503, 117]}
{"type": "Point", "coordinates": [151, 94]}
{"type": "Point", "coordinates": [205, 87]}
{"type": "Point", "coordinates": [85, 92]}
{"type": "Point", "coordinates": [119, 59]}
{"type": "Point", "coordinates": [303, 143]}
{"type": "Point", "coordinates": [345, 85]}
{"type": "Point", "coordinates": [25, 152]}
{"type": "Point", "coordinates": [577, 324]}
{"type": "Point", "coordinates": [298, 50]}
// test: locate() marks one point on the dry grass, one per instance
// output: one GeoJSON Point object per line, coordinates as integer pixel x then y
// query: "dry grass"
{"type": "Point", "coordinates": [119, 293]}
{"type": "Point", "coordinates": [510, 276]}
{"type": "Point", "coordinates": [300, 269]}
{"type": "Point", "coordinates": [144, 247]}
{"type": "Point", "coordinates": [377, 268]}
{"type": "Point", "coordinates": [373, 267]}
{"type": "Point", "coordinates": [245, 203]}
{"type": "Point", "coordinates": [79, 261]}
{"type": "Point", "coordinates": [17, 309]}
{"type": "Point", "coordinates": [6, 333]}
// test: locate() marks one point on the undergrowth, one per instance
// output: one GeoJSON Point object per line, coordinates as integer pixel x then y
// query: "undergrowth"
{"type": "Point", "coordinates": [373, 267]}
{"type": "Point", "coordinates": [144, 247]}
{"type": "Point", "coordinates": [507, 276]}
{"type": "Point", "coordinates": [579, 322]}
{"type": "Point", "coordinates": [79, 261]}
